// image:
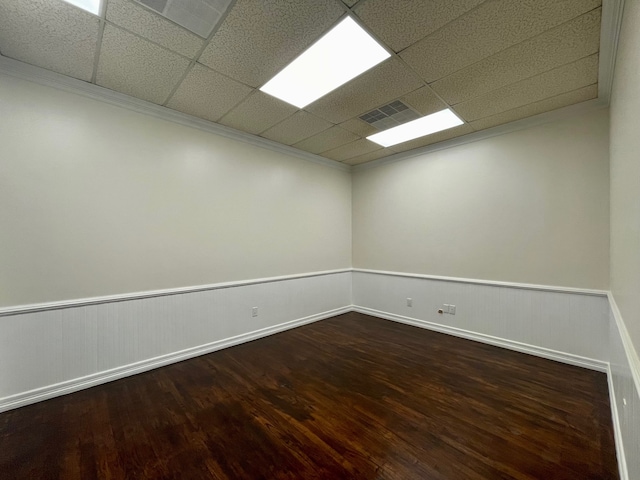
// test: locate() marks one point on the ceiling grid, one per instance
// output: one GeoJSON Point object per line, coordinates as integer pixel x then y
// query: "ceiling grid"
{"type": "Point", "coordinates": [490, 61]}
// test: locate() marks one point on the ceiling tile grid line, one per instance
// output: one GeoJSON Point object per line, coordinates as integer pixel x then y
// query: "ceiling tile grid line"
{"type": "Point", "coordinates": [96, 60]}
{"type": "Point", "coordinates": [468, 70]}
{"type": "Point", "coordinates": [382, 12]}
{"type": "Point", "coordinates": [572, 97]}
{"type": "Point", "coordinates": [199, 53]}
{"type": "Point", "coordinates": [493, 26]}
{"type": "Point", "coordinates": [524, 79]}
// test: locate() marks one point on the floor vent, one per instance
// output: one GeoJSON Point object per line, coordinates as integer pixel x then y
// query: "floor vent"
{"type": "Point", "coordinates": [391, 115]}
{"type": "Point", "coordinates": [199, 16]}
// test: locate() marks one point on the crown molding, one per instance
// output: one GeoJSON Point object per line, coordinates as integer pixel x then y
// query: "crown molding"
{"type": "Point", "coordinates": [611, 23]}
{"type": "Point", "coordinates": [41, 76]}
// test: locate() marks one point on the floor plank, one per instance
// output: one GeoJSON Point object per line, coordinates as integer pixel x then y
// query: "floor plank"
{"type": "Point", "coordinates": [350, 397]}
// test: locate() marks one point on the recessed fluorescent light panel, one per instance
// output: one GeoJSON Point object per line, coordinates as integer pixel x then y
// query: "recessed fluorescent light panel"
{"type": "Point", "coordinates": [343, 53]}
{"type": "Point", "coordinates": [91, 6]}
{"type": "Point", "coordinates": [420, 127]}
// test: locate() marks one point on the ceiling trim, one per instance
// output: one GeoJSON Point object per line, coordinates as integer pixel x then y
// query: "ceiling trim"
{"type": "Point", "coordinates": [540, 119]}
{"type": "Point", "coordinates": [41, 76]}
{"type": "Point", "coordinates": [609, 34]}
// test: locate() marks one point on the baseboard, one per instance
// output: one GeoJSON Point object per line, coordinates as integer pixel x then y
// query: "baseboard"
{"type": "Point", "coordinates": [74, 385]}
{"type": "Point", "coordinates": [617, 430]}
{"type": "Point", "coordinates": [557, 356]}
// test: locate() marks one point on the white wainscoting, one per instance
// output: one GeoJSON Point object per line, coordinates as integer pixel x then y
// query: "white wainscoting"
{"type": "Point", "coordinates": [54, 349]}
{"type": "Point", "coordinates": [567, 325]}
{"type": "Point", "coordinates": [624, 389]}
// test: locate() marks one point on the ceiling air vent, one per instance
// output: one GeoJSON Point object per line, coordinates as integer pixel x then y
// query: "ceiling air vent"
{"type": "Point", "coordinates": [391, 115]}
{"type": "Point", "coordinates": [199, 16]}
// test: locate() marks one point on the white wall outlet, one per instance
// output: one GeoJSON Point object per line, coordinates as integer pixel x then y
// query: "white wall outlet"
{"type": "Point", "coordinates": [254, 312]}
{"type": "Point", "coordinates": [409, 302]}
{"type": "Point", "coordinates": [452, 309]}
{"type": "Point", "coordinates": [446, 308]}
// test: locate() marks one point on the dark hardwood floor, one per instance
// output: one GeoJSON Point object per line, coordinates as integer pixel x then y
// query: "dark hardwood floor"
{"type": "Point", "coordinates": [351, 397]}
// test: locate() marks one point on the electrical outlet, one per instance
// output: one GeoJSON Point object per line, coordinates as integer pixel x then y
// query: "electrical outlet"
{"type": "Point", "coordinates": [254, 312]}
{"type": "Point", "coordinates": [409, 302]}
{"type": "Point", "coordinates": [452, 309]}
{"type": "Point", "coordinates": [446, 308]}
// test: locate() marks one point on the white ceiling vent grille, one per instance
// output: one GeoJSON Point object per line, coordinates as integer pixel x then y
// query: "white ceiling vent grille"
{"type": "Point", "coordinates": [199, 16]}
{"type": "Point", "coordinates": [391, 115]}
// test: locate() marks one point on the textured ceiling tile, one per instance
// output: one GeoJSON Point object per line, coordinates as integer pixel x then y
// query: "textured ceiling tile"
{"type": "Point", "coordinates": [359, 127]}
{"type": "Point", "coordinates": [434, 138]}
{"type": "Point", "coordinates": [560, 80]}
{"type": "Point", "coordinates": [152, 26]}
{"type": "Point", "coordinates": [258, 112]}
{"type": "Point", "coordinates": [490, 28]}
{"type": "Point", "coordinates": [369, 157]}
{"type": "Point", "coordinates": [563, 100]}
{"type": "Point", "coordinates": [353, 149]}
{"type": "Point", "coordinates": [399, 23]}
{"type": "Point", "coordinates": [49, 34]}
{"type": "Point", "coordinates": [137, 67]}
{"type": "Point", "coordinates": [567, 43]}
{"type": "Point", "coordinates": [382, 84]}
{"type": "Point", "coordinates": [330, 138]}
{"type": "Point", "coordinates": [260, 37]}
{"type": "Point", "coordinates": [207, 94]}
{"type": "Point", "coordinates": [297, 127]}
{"type": "Point", "coordinates": [424, 101]}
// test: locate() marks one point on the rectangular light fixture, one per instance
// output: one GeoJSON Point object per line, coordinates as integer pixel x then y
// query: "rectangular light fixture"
{"type": "Point", "coordinates": [420, 127]}
{"type": "Point", "coordinates": [343, 53]}
{"type": "Point", "coordinates": [91, 6]}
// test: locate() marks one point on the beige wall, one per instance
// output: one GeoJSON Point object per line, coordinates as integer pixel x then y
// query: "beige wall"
{"type": "Point", "coordinates": [625, 173]}
{"type": "Point", "coordinates": [98, 200]}
{"type": "Point", "coordinates": [530, 206]}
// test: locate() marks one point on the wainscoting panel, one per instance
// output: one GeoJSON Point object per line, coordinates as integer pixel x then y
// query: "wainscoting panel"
{"type": "Point", "coordinates": [50, 351]}
{"type": "Point", "coordinates": [569, 326]}
{"type": "Point", "coordinates": [625, 395]}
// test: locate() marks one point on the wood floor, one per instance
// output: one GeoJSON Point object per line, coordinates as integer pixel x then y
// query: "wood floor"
{"type": "Point", "coordinates": [352, 397]}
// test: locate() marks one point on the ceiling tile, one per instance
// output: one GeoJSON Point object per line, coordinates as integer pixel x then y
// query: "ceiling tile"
{"type": "Point", "coordinates": [353, 149]}
{"type": "Point", "coordinates": [297, 127]}
{"type": "Point", "coordinates": [369, 157]}
{"type": "Point", "coordinates": [382, 84]}
{"type": "Point", "coordinates": [576, 96]}
{"type": "Point", "coordinates": [153, 27]}
{"type": "Point", "coordinates": [137, 67]}
{"type": "Point", "coordinates": [490, 28]}
{"type": "Point", "coordinates": [207, 94]}
{"type": "Point", "coordinates": [258, 112]}
{"type": "Point", "coordinates": [359, 127]}
{"type": "Point", "coordinates": [399, 23]}
{"type": "Point", "coordinates": [434, 138]}
{"type": "Point", "coordinates": [49, 34]}
{"type": "Point", "coordinates": [258, 38]}
{"type": "Point", "coordinates": [567, 43]}
{"type": "Point", "coordinates": [330, 138]}
{"type": "Point", "coordinates": [554, 82]}
{"type": "Point", "coordinates": [424, 101]}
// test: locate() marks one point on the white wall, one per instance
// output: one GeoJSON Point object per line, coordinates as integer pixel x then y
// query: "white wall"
{"type": "Point", "coordinates": [530, 206]}
{"type": "Point", "coordinates": [625, 173]}
{"type": "Point", "coordinates": [98, 200]}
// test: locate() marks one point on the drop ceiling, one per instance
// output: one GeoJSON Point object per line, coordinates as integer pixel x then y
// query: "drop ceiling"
{"type": "Point", "coordinates": [490, 61]}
